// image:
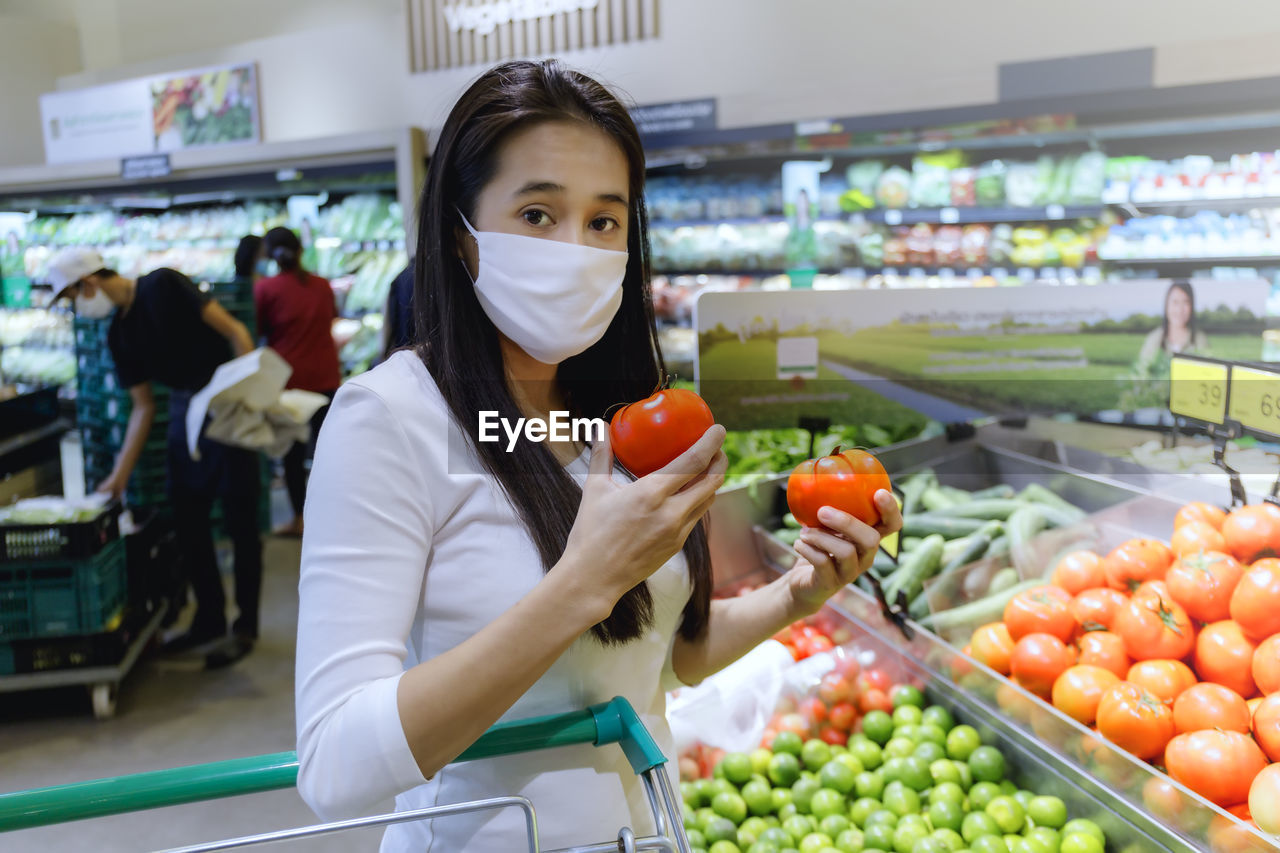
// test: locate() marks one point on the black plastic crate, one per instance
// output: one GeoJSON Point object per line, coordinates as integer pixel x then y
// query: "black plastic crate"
{"type": "Point", "coordinates": [72, 540]}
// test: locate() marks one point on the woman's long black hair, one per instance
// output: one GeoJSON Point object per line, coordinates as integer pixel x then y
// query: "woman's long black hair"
{"type": "Point", "coordinates": [1185, 287]}
{"type": "Point", "coordinates": [459, 345]}
{"type": "Point", "coordinates": [284, 247]}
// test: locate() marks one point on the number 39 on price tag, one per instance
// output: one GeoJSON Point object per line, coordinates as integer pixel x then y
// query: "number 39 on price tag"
{"type": "Point", "coordinates": [1198, 389]}
{"type": "Point", "coordinates": [1255, 399]}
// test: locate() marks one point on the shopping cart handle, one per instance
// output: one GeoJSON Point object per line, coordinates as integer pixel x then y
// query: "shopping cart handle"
{"type": "Point", "coordinates": [614, 721]}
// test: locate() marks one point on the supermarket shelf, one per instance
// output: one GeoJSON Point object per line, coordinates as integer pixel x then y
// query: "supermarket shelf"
{"type": "Point", "coordinates": [771, 219]}
{"type": "Point", "coordinates": [1228, 204]}
{"type": "Point", "coordinates": [903, 271]}
{"type": "Point", "coordinates": [1198, 263]}
{"type": "Point", "coordinates": [758, 273]}
{"type": "Point", "coordinates": [912, 216]}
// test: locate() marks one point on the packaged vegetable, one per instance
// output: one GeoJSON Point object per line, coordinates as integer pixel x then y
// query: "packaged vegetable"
{"type": "Point", "coordinates": [947, 245]}
{"type": "Point", "coordinates": [989, 183]}
{"type": "Point", "coordinates": [974, 242]}
{"type": "Point", "coordinates": [893, 188]}
{"type": "Point", "coordinates": [863, 176]}
{"type": "Point", "coordinates": [920, 245]}
{"type": "Point", "coordinates": [1088, 178]}
{"type": "Point", "coordinates": [931, 184]}
{"type": "Point", "coordinates": [963, 192]}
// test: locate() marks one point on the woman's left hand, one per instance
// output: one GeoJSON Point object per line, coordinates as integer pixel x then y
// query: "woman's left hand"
{"type": "Point", "coordinates": [835, 555]}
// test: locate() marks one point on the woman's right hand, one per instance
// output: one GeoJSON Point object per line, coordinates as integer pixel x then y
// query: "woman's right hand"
{"type": "Point", "coordinates": [624, 532]}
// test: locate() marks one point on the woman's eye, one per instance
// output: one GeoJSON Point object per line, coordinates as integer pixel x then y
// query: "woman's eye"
{"type": "Point", "coordinates": [604, 224]}
{"type": "Point", "coordinates": [536, 217]}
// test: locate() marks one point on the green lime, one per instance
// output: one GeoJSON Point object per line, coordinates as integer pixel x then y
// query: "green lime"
{"type": "Point", "coordinates": [724, 847]}
{"type": "Point", "coordinates": [704, 816]}
{"type": "Point", "coordinates": [937, 715]}
{"type": "Point", "coordinates": [946, 814]}
{"type": "Point", "coordinates": [737, 767]}
{"type": "Point", "coordinates": [848, 760]}
{"type": "Point", "coordinates": [1047, 811]}
{"type": "Point", "coordinates": [947, 792]}
{"type": "Point", "coordinates": [797, 827]}
{"type": "Point", "coordinates": [784, 769]}
{"type": "Point", "coordinates": [1008, 788]}
{"type": "Point", "coordinates": [814, 842]}
{"type": "Point", "coordinates": [905, 837]}
{"type": "Point", "coordinates": [781, 798]}
{"type": "Point", "coordinates": [978, 824]}
{"type": "Point", "coordinates": [764, 847]}
{"type": "Point", "coordinates": [788, 742]}
{"type": "Point", "coordinates": [787, 812]}
{"type": "Point", "coordinates": [758, 796]}
{"type": "Point", "coordinates": [754, 826]}
{"type": "Point", "coordinates": [981, 794]}
{"type": "Point", "coordinates": [815, 753]}
{"type": "Point", "coordinates": [696, 838]}
{"type": "Point", "coordinates": [949, 838]}
{"type": "Point", "coordinates": [1024, 799]}
{"type": "Point", "coordinates": [861, 809]}
{"type": "Point", "coordinates": [802, 793]}
{"type": "Point", "coordinates": [867, 752]}
{"type": "Point", "coordinates": [838, 776]}
{"type": "Point", "coordinates": [1038, 844]}
{"type": "Point", "coordinates": [868, 784]}
{"type": "Point", "coordinates": [927, 732]}
{"type": "Point", "coordinates": [731, 806]}
{"type": "Point", "coordinates": [850, 841]}
{"type": "Point", "coordinates": [1081, 842]}
{"type": "Point", "coordinates": [706, 790]}
{"type": "Point", "coordinates": [720, 829]}
{"type": "Point", "coordinates": [1008, 813]}
{"type": "Point", "coordinates": [1088, 827]}
{"type": "Point", "coordinates": [834, 824]}
{"type": "Point", "coordinates": [760, 759]}
{"type": "Point", "coordinates": [930, 752]}
{"type": "Point", "coordinates": [899, 747]}
{"type": "Point", "coordinates": [988, 844]}
{"type": "Point", "coordinates": [722, 786]}
{"type": "Point", "coordinates": [987, 764]}
{"type": "Point", "coordinates": [966, 775]}
{"type": "Point", "coordinates": [907, 715]}
{"type": "Point", "coordinates": [827, 802]}
{"type": "Point", "coordinates": [1048, 837]}
{"type": "Point", "coordinates": [1016, 843]}
{"type": "Point", "coordinates": [910, 732]}
{"type": "Point", "coordinates": [961, 742]}
{"type": "Point", "coordinates": [915, 773]}
{"type": "Point", "coordinates": [945, 770]}
{"type": "Point", "coordinates": [901, 801]}
{"type": "Point", "coordinates": [876, 725]}
{"type": "Point", "coordinates": [881, 816]}
{"type": "Point", "coordinates": [777, 836]}
{"type": "Point", "coordinates": [893, 769]}
{"type": "Point", "coordinates": [905, 694]}
{"type": "Point", "coordinates": [717, 772]}
{"type": "Point", "coordinates": [878, 837]}
{"type": "Point", "coordinates": [928, 844]}
{"type": "Point", "coordinates": [689, 793]}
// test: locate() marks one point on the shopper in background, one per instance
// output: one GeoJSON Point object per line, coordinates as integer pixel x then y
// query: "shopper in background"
{"type": "Point", "coordinates": [163, 329]}
{"type": "Point", "coordinates": [296, 312]}
{"type": "Point", "coordinates": [447, 583]}
{"type": "Point", "coordinates": [398, 318]}
{"type": "Point", "coordinates": [251, 259]}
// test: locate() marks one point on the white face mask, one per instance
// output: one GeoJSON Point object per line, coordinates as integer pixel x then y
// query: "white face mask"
{"type": "Point", "coordinates": [96, 307]}
{"type": "Point", "coordinates": [553, 299]}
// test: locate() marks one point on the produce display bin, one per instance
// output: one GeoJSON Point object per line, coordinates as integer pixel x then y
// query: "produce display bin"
{"type": "Point", "coordinates": [71, 540]}
{"type": "Point", "coordinates": [53, 598]}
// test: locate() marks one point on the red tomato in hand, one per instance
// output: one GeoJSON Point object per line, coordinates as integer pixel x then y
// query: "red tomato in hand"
{"type": "Point", "coordinates": [1253, 532]}
{"type": "Point", "coordinates": [1136, 561]}
{"type": "Point", "coordinates": [1266, 726]}
{"type": "Point", "coordinates": [1224, 655]}
{"type": "Point", "coordinates": [1079, 689]}
{"type": "Point", "coordinates": [847, 480]}
{"type": "Point", "coordinates": [1038, 660]}
{"type": "Point", "coordinates": [1266, 666]}
{"type": "Point", "coordinates": [1164, 679]}
{"type": "Point", "coordinates": [1203, 583]}
{"type": "Point", "coordinates": [1095, 608]}
{"type": "Point", "coordinates": [1202, 512]}
{"type": "Point", "coordinates": [1255, 604]}
{"type": "Point", "coordinates": [1210, 706]}
{"type": "Point", "coordinates": [1196, 537]}
{"type": "Point", "coordinates": [1219, 766]}
{"type": "Point", "coordinates": [1106, 650]}
{"type": "Point", "coordinates": [1134, 720]}
{"type": "Point", "coordinates": [1155, 628]}
{"type": "Point", "coordinates": [647, 435]}
{"type": "Point", "coordinates": [1040, 610]}
{"type": "Point", "coordinates": [1078, 571]}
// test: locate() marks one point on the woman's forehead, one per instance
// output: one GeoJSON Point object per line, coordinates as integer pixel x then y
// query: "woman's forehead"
{"type": "Point", "coordinates": [573, 156]}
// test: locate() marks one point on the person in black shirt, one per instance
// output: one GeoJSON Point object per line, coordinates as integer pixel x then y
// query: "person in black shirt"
{"type": "Point", "coordinates": [397, 325]}
{"type": "Point", "coordinates": [163, 329]}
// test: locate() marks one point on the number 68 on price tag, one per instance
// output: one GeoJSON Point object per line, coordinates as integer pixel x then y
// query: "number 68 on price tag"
{"type": "Point", "coordinates": [1198, 389]}
{"type": "Point", "coordinates": [1255, 399]}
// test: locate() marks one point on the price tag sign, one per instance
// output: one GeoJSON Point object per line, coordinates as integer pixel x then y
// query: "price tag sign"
{"type": "Point", "coordinates": [891, 543]}
{"type": "Point", "coordinates": [892, 217]}
{"type": "Point", "coordinates": [1198, 389]}
{"type": "Point", "coordinates": [948, 216]}
{"type": "Point", "coordinates": [1255, 399]}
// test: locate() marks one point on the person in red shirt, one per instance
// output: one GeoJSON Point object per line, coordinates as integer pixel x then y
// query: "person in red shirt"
{"type": "Point", "coordinates": [296, 311]}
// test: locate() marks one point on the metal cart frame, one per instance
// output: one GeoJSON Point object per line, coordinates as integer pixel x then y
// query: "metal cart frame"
{"type": "Point", "coordinates": [613, 722]}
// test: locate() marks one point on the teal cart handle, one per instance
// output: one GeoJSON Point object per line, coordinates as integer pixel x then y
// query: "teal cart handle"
{"type": "Point", "coordinates": [609, 722]}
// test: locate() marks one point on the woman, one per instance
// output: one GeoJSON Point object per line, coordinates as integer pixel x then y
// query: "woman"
{"type": "Point", "coordinates": [1178, 333]}
{"type": "Point", "coordinates": [296, 311]}
{"type": "Point", "coordinates": [446, 583]}
{"type": "Point", "coordinates": [250, 259]}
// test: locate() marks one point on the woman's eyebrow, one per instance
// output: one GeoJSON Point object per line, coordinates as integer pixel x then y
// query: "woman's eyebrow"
{"type": "Point", "coordinates": [534, 187]}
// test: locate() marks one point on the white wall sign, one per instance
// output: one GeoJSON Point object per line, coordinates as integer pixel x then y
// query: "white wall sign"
{"type": "Point", "coordinates": [484, 18]}
{"type": "Point", "coordinates": [169, 112]}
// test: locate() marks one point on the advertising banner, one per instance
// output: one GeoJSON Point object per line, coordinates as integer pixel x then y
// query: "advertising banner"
{"type": "Point", "coordinates": [955, 354]}
{"type": "Point", "coordinates": [169, 112]}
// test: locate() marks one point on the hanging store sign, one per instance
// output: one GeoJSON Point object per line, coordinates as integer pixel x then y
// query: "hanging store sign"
{"type": "Point", "coordinates": [169, 112]}
{"type": "Point", "coordinates": [676, 117]}
{"type": "Point", "coordinates": [145, 166]}
{"type": "Point", "coordinates": [457, 33]}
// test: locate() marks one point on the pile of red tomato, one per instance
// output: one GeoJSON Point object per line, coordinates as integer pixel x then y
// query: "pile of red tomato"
{"type": "Point", "coordinates": [1171, 651]}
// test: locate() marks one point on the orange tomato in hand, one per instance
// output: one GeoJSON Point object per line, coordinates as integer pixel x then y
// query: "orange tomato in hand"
{"type": "Point", "coordinates": [1196, 537]}
{"type": "Point", "coordinates": [1040, 610]}
{"type": "Point", "coordinates": [1224, 655]}
{"type": "Point", "coordinates": [1219, 766]}
{"type": "Point", "coordinates": [1106, 650]}
{"type": "Point", "coordinates": [1094, 609]}
{"type": "Point", "coordinates": [1164, 679]}
{"type": "Point", "coordinates": [1079, 689]}
{"type": "Point", "coordinates": [1038, 660]}
{"type": "Point", "coordinates": [1203, 583]}
{"type": "Point", "coordinates": [1266, 726]}
{"type": "Point", "coordinates": [1134, 720]}
{"type": "Point", "coordinates": [845, 480]}
{"type": "Point", "coordinates": [1136, 561]}
{"type": "Point", "coordinates": [1210, 706]}
{"type": "Point", "coordinates": [1078, 571]}
{"type": "Point", "coordinates": [1266, 665]}
{"type": "Point", "coordinates": [1152, 627]}
{"type": "Point", "coordinates": [1255, 604]}
{"type": "Point", "coordinates": [1253, 532]}
{"type": "Point", "coordinates": [992, 645]}
{"type": "Point", "coordinates": [1202, 512]}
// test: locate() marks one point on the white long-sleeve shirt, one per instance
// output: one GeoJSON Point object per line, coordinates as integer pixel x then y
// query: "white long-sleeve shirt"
{"type": "Point", "coordinates": [411, 548]}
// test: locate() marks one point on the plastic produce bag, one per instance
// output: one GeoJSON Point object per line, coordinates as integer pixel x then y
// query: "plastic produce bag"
{"type": "Point", "coordinates": [931, 184]}
{"type": "Point", "coordinates": [989, 183]}
{"type": "Point", "coordinates": [730, 710]}
{"type": "Point", "coordinates": [893, 189]}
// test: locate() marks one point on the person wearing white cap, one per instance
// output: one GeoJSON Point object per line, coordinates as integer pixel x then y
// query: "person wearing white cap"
{"type": "Point", "coordinates": [163, 329]}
